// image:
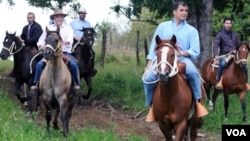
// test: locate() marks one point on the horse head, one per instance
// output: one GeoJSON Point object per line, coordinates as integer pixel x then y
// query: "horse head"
{"type": "Point", "coordinates": [241, 54]}
{"type": "Point", "coordinates": [88, 37]}
{"type": "Point", "coordinates": [52, 44]}
{"type": "Point", "coordinates": [166, 58]}
{"type": "Point", "coordinates": [11, 45]}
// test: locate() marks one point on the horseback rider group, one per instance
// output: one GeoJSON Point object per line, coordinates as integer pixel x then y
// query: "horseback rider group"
{"type": "Point", "coordinates": [33, 36]}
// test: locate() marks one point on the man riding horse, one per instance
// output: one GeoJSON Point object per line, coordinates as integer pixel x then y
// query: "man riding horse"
{"type": "Point", "coordinates": [30, 34]}
{"type": "Point", "coordinates": [226, 41]}
{"type": "Point", "coordinates": [66, 34]}
{"type": "Point", "coordinates": [77, 26]}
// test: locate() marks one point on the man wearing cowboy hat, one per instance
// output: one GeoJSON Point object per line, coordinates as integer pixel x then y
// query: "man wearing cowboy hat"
{"type": "Point", "coordinates": [66, 34]}
{"type": "Point", "coordinates": [77, 25]}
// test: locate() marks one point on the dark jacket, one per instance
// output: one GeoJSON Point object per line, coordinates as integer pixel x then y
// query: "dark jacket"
{"type": "Point", "coordinates": [225, 41]}
{"type": "Point", "coordinates": [35, 33]}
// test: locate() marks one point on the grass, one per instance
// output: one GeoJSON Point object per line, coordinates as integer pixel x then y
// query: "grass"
{"type": "Point", "coordinates": [119, 83]}
{"type": "Point", "coordinates": [14, 126]}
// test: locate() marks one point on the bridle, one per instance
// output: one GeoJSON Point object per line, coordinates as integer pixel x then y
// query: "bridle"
{"type": "Point", "coordinates": [57, 50]}
{"type": "Point", "coordinates": [237, 59]}
{"type": "Point", "coordinates": [174, 67]}
{"type": "Point", "coordinates": [12, 47]}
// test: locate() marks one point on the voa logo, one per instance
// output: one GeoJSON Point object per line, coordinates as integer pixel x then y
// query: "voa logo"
{"type": "Point", "coordinates": [236, 132]}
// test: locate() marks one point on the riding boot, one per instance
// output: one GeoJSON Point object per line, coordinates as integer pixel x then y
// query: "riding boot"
{"type": "Point", "coordinates": [150, 117]}
{"type": "Point", "coordinates": [219, 85]}
{"type": "Point", "coordinates": [200, 110]}
{"type": "Point", "coordinates": [247, 87]}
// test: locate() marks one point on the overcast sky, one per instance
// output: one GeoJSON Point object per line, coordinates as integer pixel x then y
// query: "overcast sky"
{"type": "Point", "coordinates": [13, 19]}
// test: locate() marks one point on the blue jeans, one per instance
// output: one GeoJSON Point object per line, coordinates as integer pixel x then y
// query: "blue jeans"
{"type": "Point", "coordinates": [72, 64]}
{"type": "Point", "coordinates": [191, 73]}
{"type": "Point", "coordinates": [223, 64]}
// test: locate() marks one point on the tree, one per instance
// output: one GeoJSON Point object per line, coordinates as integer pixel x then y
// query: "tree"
{"type": "Point", "coordinates": [104, 28]}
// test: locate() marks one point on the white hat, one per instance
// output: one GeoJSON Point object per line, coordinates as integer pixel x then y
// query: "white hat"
{"type": "Point", "coordinates": [82, 10]}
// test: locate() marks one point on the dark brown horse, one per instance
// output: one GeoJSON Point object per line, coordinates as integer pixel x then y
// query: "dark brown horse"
{"type": "Point", "coordinates": [233, 79]}
{"type": "Point", "coordinates": [84, 53]}
{"type": "Point", "coordinates": [173, 101]}
{"type": "Point", "coordinates": [55, 83]}
{"type": "Point", "coordinates": [24, 67]}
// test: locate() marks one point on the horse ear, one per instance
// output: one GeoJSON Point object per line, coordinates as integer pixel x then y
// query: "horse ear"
{"type": "Point", "coordinates": [173, 39]}
{"type": "Point", "coordinates": [7, 32]}
{"type": "Point", "coordinates": [158, 39]}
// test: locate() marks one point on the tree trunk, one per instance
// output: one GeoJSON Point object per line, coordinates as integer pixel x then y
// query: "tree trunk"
{"type": "Point", "coordinates": [104, 42]}
{"type": "Point", "coordinates": [204, 27]}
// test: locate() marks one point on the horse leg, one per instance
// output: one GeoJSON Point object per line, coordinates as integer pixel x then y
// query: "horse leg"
{"type": "Point", "coordinates": [166, 132]}
{"type": "Point", "coordinates": [226, 103]}
{"type": "Point", "coordinates": [63, 113]}
{"type": "Point", "coordinates": [207, 87]}
{"type": "Point", "coordinates": [48, 114]}
{"type": "Point", "coordinates": [180, 130]}
{"type": "Point", "coordinates": [214, 97]}
{"type": "Point", "coordinates": [18, 91]}
{"type": "Point", "coordinates": [89, 84]}
{"type": "Point", "coordinates": [243, 105]}
{"type": "Point", "coordinates": [69, 112]}
{"type": "Point", "coordinates": [55, 125]}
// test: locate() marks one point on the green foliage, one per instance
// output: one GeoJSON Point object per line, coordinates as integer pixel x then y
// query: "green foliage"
{"type": "Point", "coordinates": [6, 65]}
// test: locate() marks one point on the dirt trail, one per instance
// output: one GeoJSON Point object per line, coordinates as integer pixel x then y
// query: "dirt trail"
{"type": "Point", "coordinates": [96, 113]}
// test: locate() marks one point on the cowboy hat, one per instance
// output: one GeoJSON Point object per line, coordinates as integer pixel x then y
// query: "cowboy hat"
{"type": "Point", "coordinates": [82, 10]}
{"type": "Point", "coordinates": [57, 12]}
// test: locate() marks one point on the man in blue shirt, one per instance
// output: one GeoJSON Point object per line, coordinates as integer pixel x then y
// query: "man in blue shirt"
{"type": "Point", "coordinates": [80, 23]}
{"type": "Point", "coordinates": [188, 41]}
{"type": "Point", "coordinates": [77, 26]}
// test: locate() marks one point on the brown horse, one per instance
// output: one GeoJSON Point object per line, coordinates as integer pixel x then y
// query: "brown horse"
{"type": "Point", "coordinates": [233, 79]}
{"type": "Point", "coordinates": [173, 103]}
{"type": "Point", "coordinates": [56, 83]}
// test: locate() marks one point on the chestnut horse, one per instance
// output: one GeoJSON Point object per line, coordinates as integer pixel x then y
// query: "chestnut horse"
{"type": "Point", "coordinates": [233, 79]}
{"type": "Point", "coordinates": [82, 51]}
{"type": "Point", "coordinates": [55, 83]}
{"type": "Point", "coordinates": [173, 102]}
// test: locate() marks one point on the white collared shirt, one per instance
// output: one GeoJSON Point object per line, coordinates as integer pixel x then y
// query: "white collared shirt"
{"type": "Point", "coordinates": [66, 33]}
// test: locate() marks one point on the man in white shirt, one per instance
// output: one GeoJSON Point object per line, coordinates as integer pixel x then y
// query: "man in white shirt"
{"type": "Point", "coordinates": [66, 34]}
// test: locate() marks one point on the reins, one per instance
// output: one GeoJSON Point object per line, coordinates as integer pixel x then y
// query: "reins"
{"type": "Point", "coordinates": [13, 45]}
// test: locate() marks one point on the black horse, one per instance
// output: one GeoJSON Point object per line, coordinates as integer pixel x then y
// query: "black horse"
{"type": "Point", "coordinates": [24, 67]}
{"type": "Point", "coordinates": [85, 55]}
